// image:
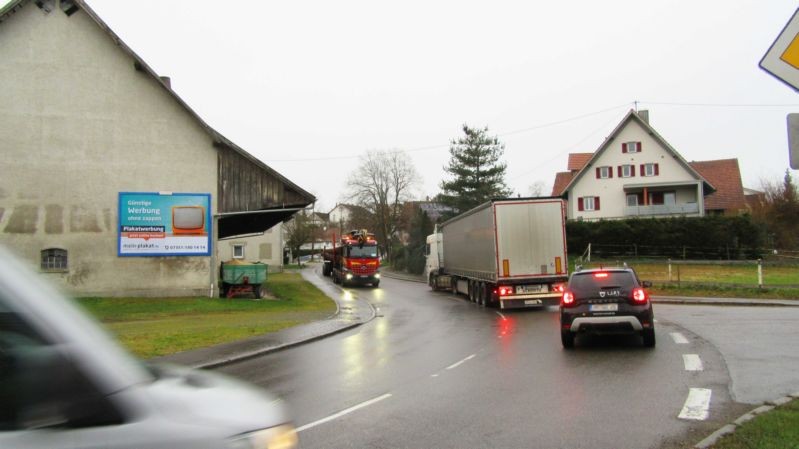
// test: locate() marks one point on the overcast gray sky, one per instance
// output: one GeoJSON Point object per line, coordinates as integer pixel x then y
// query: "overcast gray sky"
{"type": "Point", "coordinates": [308, 86]}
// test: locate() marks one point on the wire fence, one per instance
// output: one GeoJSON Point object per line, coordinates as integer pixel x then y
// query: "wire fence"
{"type": "Point", "coordinates": [688, 253]}
{"type": "Point", "coordinates": [778, 269]}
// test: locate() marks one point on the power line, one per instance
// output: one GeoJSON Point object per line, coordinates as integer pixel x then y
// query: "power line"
{"type": "Point", "coordinates": [723, 105]}
{"type": "Point", "coordinates": [433, 147]}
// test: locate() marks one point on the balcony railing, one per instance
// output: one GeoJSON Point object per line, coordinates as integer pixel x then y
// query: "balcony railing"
{"type": "Point", "coordinates": [662, 209]}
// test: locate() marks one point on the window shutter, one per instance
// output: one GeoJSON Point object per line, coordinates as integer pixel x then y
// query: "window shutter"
{"type": "Point", "coordinates": [596, 203]}
{"type": "Point", "coordinates": [610, 172]}
{"type": "Point", "coordinates": [657, 169]}
{"type": "Point", "coordinates": [643, 170]}
{"type": "Point", "coordinates": [623, 147]}
{"type": "Point", "coordinates": [580, 203]}
{"type": "Point", "coordinates": [619, 171]}
{"type": "Point", "coordinates": [638, 147]}
{"type": "Point", "coordinates": [597, 173]}
{"type": "Point", "coordinates": [632, 170]}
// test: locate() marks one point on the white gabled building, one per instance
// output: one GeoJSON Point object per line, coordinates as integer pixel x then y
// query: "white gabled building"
{"type": "Point", "coordinates": [634, 173]}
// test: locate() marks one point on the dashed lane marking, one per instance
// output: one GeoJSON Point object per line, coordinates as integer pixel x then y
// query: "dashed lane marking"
{"type": "Point", "coordinates": [344, 412]}
{"type": "Point", "coordinates": [697, 405]}
{"type": "Point", "coordinates": [692, 362]}
{"type": "Point", "coordinates": [457, 364]}
{"type": "Point", "coordinates": [679, 338]}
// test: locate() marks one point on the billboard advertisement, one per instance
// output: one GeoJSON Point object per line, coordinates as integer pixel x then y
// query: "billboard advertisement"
{"type": "Point", "coordinates": [164, 224]}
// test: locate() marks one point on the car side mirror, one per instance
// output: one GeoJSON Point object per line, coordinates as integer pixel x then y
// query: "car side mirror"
{"type": "Point", "coordinates": [647, 284]}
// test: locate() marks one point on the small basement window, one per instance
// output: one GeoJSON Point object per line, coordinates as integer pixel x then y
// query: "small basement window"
{"type": "Point", "coordinates": [238, 251]}
{"type": "Point", "coordinates": [54, 259]}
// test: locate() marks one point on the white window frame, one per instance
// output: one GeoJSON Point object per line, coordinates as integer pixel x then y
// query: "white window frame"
{"type": "Point", "coordinates": [627, 171]}
{"type": "Point", "coordinates": [236, 246]}
{"type": "Point", "coordinates": [632, 195]}
{"type": "Point", "coordinates": [631, 147]}
{"type": "Point", "coordinates": [673, 195]}
{"type": "Point", "coordinates": [605, 172]}
{"type": "Point", "coordinates": [649, 169]}
{"type": "Point", "coordinates": [588, 203]}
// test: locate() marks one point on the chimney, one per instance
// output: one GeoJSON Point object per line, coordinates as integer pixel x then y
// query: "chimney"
{"type": "Point", "coordinates": [166, 80]}
{"type": "Point", "coordinates": [644, 114]}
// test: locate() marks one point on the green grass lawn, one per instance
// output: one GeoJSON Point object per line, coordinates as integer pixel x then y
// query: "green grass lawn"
{"type": "Point", "coordinates": [152, 327]}
{"type": "Point", "coordinates": [778, 429]}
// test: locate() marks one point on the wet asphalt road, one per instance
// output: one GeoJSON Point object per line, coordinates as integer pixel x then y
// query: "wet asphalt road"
{"type": "Point", "coordinates": [433, 370]}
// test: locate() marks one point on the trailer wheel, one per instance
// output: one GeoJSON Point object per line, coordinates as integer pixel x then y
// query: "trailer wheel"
{"type": "Point", "coordinates": [256, 291]}
{"type": "Point", "coordinates": [481, 290]}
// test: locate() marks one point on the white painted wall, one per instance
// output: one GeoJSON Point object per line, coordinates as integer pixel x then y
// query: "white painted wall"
{"type": "Point", "coordinates": [611, 191]}
{"type": "Point", "coordinates": [266, 248]}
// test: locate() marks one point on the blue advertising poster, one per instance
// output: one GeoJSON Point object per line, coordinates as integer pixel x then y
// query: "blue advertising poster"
{"type": "Point", "coordinates": [164, 224]}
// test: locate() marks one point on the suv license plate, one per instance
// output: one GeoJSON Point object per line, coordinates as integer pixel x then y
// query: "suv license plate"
{"type": "Point", "coordinates": [604, 307]}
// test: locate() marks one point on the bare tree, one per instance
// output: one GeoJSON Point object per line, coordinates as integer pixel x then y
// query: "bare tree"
{"type": "Point", "coordinates": [383, 181]}
{"type": "Point", "coordinates": [298, 231]}
{"type": "Point", "coordinates": [536, 188]}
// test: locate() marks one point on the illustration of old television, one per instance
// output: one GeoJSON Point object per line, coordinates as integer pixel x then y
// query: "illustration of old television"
{"type": "Point", "coordinates": [188, 220]}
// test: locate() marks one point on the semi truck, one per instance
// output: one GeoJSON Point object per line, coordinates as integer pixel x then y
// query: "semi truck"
{"type": "Point", "coordinates": [355, 260]}
{"type": "Point", "coordinates": [505, 252]}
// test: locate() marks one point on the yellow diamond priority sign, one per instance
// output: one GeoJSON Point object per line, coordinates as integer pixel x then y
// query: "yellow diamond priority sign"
{"type": "Point", "coordinates": [782, 59]}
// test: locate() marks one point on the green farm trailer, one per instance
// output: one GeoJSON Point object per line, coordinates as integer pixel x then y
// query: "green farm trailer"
{"type": "Point", "coordinates": [242, 277]}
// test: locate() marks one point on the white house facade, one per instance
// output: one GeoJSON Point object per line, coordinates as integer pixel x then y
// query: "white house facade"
{"type": "Point", "coordinates": [634, 173]}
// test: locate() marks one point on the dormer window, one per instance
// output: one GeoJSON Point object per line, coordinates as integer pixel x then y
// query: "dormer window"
{"type": "Point", "coordinates": [631, 147]}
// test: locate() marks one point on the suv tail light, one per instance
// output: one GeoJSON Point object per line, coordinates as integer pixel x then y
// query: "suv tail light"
{"type": "Point", "coordinates": [640, 296]}
{"type": "Point", "coordinates": [567, 300]}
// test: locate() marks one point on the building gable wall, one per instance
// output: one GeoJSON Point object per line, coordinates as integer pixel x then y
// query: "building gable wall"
{"type": "Point", "coordinates": [78, 125]}
{"type": "Point", "coordinates": [611, 191]}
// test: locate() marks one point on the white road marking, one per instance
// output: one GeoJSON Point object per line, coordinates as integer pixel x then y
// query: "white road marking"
{"type": "Point", "coordinates": [696, 405]}
{"type": "Point", "coordinates": [434, 375]}
{"type": "Point", "coordinates": [692, 362]}
{"type": "Point", "coordinates": [679, 338]}
{"type": "Point", "coordinates": [457, 364]}
{"type": "Point", "coordinates": [344, 412]}
{"type": "Point", "coordinates": [503, 316]}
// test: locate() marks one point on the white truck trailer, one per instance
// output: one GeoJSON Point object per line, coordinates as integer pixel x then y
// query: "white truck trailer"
{"type": "Point", "coordinates": [506, 252]}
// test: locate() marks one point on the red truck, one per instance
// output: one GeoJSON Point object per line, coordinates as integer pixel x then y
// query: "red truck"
{"type": "Point", "coordinates": [354, 261]}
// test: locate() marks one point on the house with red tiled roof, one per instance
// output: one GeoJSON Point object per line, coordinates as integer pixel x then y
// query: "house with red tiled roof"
{"type": "Point", "coordinates": [725, 176]}
{"type": "Point", "coordinates": [636, 173]}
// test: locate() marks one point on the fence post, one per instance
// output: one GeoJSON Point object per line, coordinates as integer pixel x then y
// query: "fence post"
{"type": "Point", "coordinates": [669, 270]}
{"type": "Point", "coordinates": [760, 273]}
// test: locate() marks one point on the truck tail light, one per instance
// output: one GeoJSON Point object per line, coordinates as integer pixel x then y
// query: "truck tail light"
{"type": "Point", "coordinates": [505, 290]}
{"type": "Point", "coordinates": [560, 288]}
{"type": "Point", "coordinates": [640, 296]}
{"type": "Point", "coordinates": [567, 300]}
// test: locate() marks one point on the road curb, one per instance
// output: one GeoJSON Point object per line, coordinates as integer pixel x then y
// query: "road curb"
{"type": "Point", "coordinates": [267, 350]}
{"type": "Point", "coordinates": [238, 356]}
{"type": "Point", "coordinates": [729, 429]}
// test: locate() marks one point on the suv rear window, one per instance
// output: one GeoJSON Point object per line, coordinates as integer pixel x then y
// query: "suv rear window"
{"type": "Point", "coordinates": [585, 283]}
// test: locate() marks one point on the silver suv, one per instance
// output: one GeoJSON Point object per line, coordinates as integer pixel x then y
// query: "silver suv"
{"type": "Point", "coordinates": [65, 384]}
